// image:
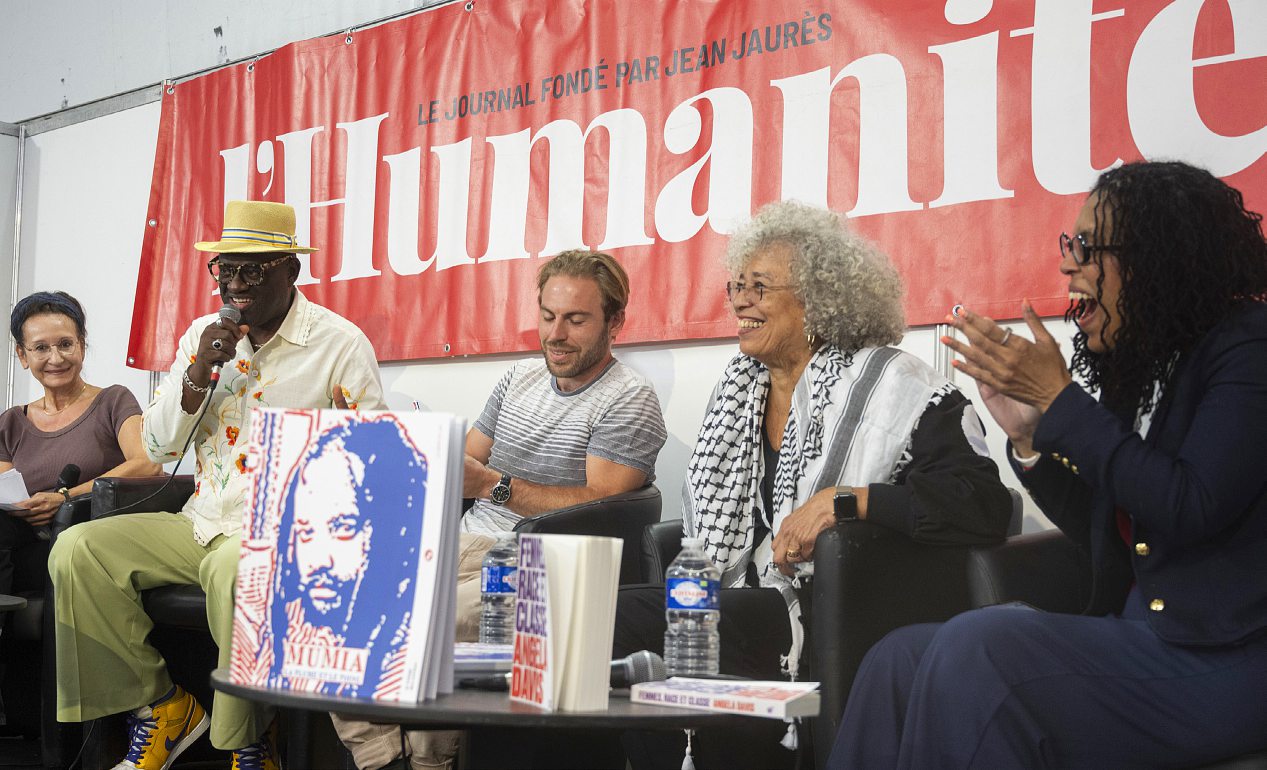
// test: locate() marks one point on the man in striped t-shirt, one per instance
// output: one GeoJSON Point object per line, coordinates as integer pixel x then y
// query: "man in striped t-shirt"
{"type": "Point", "coordinates": [575, 427]}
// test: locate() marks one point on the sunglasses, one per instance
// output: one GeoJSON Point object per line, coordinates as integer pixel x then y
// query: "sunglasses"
{"type": "Point", "coordinates": [252, 273]}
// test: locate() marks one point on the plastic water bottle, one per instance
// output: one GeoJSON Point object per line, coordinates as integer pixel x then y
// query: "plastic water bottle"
{"type": "Point", "coordinates": [691, 642]}
{"type": "Point", "coordinates": [500, 576]}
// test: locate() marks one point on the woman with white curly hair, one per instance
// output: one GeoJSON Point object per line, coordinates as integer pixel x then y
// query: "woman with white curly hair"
{"type": "Point", "coordinates": [817, 419]}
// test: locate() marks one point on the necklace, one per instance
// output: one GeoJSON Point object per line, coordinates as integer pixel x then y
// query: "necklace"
{"type": "Point", "coordinates": [44, 402]}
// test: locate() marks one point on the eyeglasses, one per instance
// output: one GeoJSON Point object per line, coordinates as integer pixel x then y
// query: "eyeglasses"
{"type": "Point", "coordinates": [757, 290]}
{"type": "Point", "coordinates": [43, 350]}
{"type": "Point", "coordinates": [1079, 250]}
{"type": "Point", "coordinates": [252, 273]}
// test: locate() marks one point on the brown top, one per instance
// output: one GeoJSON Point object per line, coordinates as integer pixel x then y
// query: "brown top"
{"type": "Point", "coordinates": [91, 442]}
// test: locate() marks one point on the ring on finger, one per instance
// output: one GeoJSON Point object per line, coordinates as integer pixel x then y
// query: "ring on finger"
{"type": "Point", "coordinates": [217, 344]}
{"type": "Point", "coordinates": [794, 553]}
{"type": "Point", "coordinates": [1007, 335]}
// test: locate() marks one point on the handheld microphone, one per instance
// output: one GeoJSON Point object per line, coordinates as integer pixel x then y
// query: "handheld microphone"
{"type": "Point", "coordinates": [641, 666]}
{"type": "Point", "coordinates": [234, 316]}
{"type": "Point", "coordinates": [69, 477]}
{"type": "Point", "coordinates": [227, 313]}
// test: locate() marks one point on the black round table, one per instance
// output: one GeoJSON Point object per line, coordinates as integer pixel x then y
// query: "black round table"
{"type": "Point", "coordinates": [479, 708]}
{"type": "Point", "coordinates": [11, 603]}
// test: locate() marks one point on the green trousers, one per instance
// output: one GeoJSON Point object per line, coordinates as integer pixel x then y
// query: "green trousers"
{"type": "Point", "coordinates": [104, 663]}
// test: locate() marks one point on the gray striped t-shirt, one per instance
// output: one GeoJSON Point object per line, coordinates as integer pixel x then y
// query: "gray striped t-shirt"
{"type": "Point", "coordinates": [543, 435]}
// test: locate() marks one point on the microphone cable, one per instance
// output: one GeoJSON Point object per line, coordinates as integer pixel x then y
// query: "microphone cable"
{"type": "Point", "coordinates": [91, 726]}
{"type": "Point", "coordinates": [227, 312]}
{"type": "Point", "coordinates": [188, 440]}
{"type": "Point", "coordinates": [172, 475]}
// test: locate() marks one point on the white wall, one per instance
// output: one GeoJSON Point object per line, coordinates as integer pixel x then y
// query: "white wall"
{"type": "Point", "coordinates": [60, 53]}
{"type": "Point", "coordinates": [83, 214]}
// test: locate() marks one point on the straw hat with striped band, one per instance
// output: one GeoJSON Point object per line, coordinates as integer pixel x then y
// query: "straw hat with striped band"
{"type": "Point", "coordinates": [256, 226]}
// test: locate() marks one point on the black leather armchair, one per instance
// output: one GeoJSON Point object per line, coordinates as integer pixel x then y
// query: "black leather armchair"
{"type": "Point", "coordinates": [1048, 571]}
{"type": "Point", "coordinates": [623, 516]}
{"type": "Point", "coordinates": [27, 645]}
{"type": "Point", "coordinates": [869, 580]}
{"type": "Point", "coordinates": [180, 630]}
{"type": "Point", "coordinates": [174, 606]}
{"type": "Point", "coordinates": [176, 611]}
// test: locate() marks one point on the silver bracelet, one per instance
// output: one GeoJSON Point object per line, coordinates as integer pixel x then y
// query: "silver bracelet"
{"type": "Point", "coordinates": [190, 384]}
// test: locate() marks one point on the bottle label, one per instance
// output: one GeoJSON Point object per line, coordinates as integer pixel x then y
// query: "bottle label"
{"type": "Point", "coordinates": [690, 594]}
{"type": "Point", "coordinates": [500, 580]}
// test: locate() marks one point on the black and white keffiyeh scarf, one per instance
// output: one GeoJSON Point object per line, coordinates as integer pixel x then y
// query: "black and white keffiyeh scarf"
{"type": "Point", "coordinates": [850, 424]}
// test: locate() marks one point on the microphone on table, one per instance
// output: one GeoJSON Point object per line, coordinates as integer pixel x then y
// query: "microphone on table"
{"type": "Point", "coordinates": [641, 666]}
{"type": "Point", "coordinates": [233, 315]}
{"type": "Point", "coordinates": [637, 667]}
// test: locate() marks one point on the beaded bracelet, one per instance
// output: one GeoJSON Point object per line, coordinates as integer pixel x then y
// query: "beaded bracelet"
{"type": "Point", "coordinates": [190, 384]}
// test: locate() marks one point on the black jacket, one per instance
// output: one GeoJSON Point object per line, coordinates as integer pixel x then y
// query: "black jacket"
{"type": "Point", "coordinates": [1196, 488]}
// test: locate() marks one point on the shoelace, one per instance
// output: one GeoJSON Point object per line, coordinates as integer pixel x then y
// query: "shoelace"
{"type": "Point", "coordinates": [252, 757]}
{"type": "Point", "coordinates": [140, 732]}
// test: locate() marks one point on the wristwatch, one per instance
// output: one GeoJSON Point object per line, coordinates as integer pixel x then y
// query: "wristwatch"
{"type": "Point", "coordinates": [845, 504]}
{"type": "Point", "coordinates": [501, 491]}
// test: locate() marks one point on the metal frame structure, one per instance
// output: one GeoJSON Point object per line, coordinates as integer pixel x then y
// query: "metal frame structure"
{"type": "Point", "coordinates": [20, 132]}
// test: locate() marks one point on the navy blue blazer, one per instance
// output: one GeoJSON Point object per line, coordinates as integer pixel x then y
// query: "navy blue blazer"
{"type": "Point", "coordinates": [1195, 487]}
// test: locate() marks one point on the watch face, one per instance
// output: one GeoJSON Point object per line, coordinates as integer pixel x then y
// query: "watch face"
{"type": "Point", "coordinates": [846, 506]}
{"type": "Point", "coordinates": [501, 492]}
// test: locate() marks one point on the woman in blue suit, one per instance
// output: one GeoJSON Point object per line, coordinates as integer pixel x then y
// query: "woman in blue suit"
{"type": "Point", "coordinates": [1163, 479]}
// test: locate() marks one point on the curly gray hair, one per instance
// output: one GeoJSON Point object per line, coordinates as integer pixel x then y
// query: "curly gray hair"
{"type": "Point", "coordinates": [850, 290]}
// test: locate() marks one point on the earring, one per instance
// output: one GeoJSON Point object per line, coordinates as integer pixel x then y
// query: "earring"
{"type": "Point", "coordinates": [812, 339]}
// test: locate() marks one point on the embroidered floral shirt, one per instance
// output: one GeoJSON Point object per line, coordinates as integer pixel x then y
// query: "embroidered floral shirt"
{"type": "Point", "coordinates": [314, 350]}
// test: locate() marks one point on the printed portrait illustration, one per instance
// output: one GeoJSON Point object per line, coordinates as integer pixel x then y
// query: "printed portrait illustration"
{"type": "Point", "coordinates": [347, 558]}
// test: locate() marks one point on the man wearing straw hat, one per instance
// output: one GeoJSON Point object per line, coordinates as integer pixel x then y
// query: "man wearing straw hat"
{"type": "Point", "coordinates": [283, 351]}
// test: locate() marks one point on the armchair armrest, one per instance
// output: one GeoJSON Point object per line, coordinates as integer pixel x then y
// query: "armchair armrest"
{"type": "Point", "coordinates": [115, 495]}
{"type": "Point", "coordinates": [76, 510]}
{"type": "Point", "coordinates": [1045, 569]}
{"type": "Point", "coordinates": [868, 581]}
{"type": "Point", "coordinates": [661, 543]}
{"type": "Point", "coordinates": [621, 516]}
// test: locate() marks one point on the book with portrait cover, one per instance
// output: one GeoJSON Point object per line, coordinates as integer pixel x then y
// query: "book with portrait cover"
{"type": "Point", "coordinates": [349, 553]}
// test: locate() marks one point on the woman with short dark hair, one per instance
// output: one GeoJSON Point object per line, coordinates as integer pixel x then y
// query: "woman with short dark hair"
{"type": "Point", "coordinates": [73, 422]}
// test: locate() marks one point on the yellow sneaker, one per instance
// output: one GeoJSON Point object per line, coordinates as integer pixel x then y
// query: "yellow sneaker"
{"type": "Point", "coordinates": [158, 733]}
{"type": "Point", "coordinates": [261, 755]}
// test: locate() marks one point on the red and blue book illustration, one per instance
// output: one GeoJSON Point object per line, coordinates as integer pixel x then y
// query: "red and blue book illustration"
{"type": "Point", "coordinates": [349, 550]}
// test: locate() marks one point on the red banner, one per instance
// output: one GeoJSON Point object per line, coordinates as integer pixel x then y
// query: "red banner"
{"type": "Point", "coordinates": [435, 160]}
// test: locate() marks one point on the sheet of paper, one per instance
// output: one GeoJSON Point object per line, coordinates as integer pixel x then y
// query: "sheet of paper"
{"type": "Point", "coordinates": [12, 489]}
